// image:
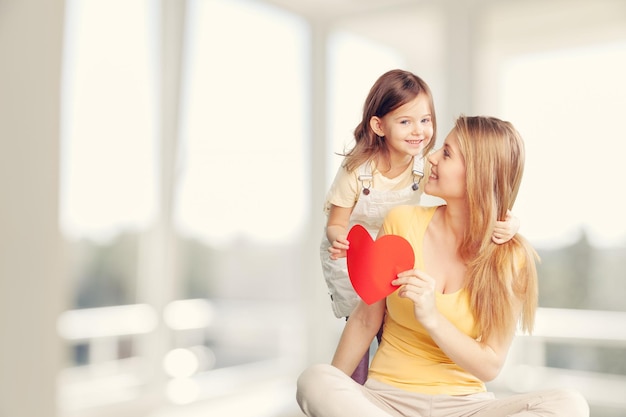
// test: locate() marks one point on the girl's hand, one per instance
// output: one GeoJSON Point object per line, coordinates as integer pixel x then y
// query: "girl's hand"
{"type": "Point", "coordinates": [339, 247]}
{"type": "Point", "coordinates": [504, 231]}
{"type": "Point", "coordinates": [419, 287]}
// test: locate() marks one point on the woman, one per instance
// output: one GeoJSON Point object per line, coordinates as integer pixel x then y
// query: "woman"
{"type": "Point", "coordinates": [449, 326]}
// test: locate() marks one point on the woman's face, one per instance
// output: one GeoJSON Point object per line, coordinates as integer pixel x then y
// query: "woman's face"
{"type": "Point", "coordinates": [447, 178]}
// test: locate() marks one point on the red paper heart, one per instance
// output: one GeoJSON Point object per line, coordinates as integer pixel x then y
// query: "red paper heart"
{"type": "Point", "coordinates": [372, 265]}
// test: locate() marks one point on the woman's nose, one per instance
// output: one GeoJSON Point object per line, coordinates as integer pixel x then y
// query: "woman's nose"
{"type": "Point", "coordinates": [432, 158]}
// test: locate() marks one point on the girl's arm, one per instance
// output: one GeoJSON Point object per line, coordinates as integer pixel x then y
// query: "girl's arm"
{"type": "Point", "coordinates": [337, 230]}
{"type": "Point", "coordinates": [482, 358]}
{"type": "Point", "coordinates": [361, 328]}
{"type": "Point", "coordinates": [505, 230]}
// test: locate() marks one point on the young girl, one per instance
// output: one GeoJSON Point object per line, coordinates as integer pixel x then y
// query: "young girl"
{"type": "Point", "coordinates": [449, 326]}
{"type": "Point", "coordinates": [384, 169]}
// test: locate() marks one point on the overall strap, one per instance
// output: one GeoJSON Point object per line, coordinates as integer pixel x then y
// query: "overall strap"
{"type": "Point", "coordinates": [418, 171]}
{"type": "Point", "coordinates": [365, 176]}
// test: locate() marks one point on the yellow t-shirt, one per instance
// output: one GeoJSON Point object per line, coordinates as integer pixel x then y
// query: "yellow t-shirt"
{"type": "Point", "coordinates": [407, 357]}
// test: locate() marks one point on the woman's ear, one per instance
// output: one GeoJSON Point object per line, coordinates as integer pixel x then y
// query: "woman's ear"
{"type": "Point", "coordinates": [376, 125]}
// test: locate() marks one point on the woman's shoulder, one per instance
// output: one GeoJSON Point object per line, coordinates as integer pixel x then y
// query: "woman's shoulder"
{"type": "Point", "coordinates": [412, 210]}
{"type": "Point", "coordinates": [399, 216]}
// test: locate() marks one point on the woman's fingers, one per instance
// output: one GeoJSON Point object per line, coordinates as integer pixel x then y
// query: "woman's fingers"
{"type": "Point", "coordinates": [414, 277]}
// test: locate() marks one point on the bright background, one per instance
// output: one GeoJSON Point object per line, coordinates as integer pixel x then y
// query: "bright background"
{"type": "Point", "coordinates": [162, 240]}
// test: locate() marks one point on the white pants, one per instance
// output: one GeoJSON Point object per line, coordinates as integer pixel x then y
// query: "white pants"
{"type": "Point", "coordinates": [325, 391]}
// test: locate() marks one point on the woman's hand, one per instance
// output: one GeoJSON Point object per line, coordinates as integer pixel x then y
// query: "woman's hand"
{"type": "Point", "coordinates": [482, 358]}
{"type": "Point", "coordinates": [419, 287]}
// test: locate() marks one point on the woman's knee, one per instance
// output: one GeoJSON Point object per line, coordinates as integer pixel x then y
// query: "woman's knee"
{"type": "Point", "coordinates": [579, 403]}
{"type": "Point", "coordinates": [573, 402]}
{"type": "Point", "coordinates": [311, 383]}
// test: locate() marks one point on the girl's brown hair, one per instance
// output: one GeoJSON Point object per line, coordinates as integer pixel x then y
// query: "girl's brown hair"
{"type": "Point", "coordinates": [500, 277]}
{"type": "Point", "coordinates": [392, 90]}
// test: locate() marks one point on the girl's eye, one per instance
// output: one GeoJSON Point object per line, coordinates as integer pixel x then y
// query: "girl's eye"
{"type": "Point", "coordinates": [426, 120]}
{"type": "Point", "coordinates": [405, 122]}
{"type": "Point", "coordinates": [446, 154]}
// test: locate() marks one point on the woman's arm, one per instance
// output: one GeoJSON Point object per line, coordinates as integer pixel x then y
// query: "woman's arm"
{"type": "Point", "coordinates": [483, 358]}
{"type": "Point", "coordinates": [361, 328]}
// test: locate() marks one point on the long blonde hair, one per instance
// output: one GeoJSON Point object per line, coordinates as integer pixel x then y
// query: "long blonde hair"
{"type": "Point", "coordinates": [499, 276]}
{"type": "Point", "coordinates": [390, 91]}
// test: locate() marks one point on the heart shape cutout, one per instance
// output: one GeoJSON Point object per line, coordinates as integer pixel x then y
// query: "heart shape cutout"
{"type": "Point", "coordinates": [373, 264]}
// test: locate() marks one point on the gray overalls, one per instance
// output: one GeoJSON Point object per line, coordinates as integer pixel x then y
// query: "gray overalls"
{"type": "Point", "coordinates": [369, 211]}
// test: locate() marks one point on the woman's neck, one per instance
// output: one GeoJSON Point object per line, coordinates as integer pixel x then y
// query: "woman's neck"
{"type": "Point", "coordinates": [455, 219]}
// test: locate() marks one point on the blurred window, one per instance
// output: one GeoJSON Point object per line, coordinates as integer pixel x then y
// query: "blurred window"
{"type": "Point", "coordinates": [246, 97]}
{"type": "Point", "coordinates": [240, 198]}
{"type": "Point", "coordinates": [568, 105]}
{"type": "Point", "coordinates": [109, 153]}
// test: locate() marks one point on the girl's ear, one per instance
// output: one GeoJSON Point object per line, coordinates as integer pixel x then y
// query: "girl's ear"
{"type": "Point", "coordinates": [376, 125]}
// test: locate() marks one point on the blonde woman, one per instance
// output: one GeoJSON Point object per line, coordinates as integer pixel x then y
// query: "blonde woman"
{"type": "Point", "coordinates": [448, 327]}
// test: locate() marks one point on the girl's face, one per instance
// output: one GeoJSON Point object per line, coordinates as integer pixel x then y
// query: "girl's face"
{"type": "Point", "coordinates": [407, 129]}
{"type": "Point", "coordinates": [447, 177]}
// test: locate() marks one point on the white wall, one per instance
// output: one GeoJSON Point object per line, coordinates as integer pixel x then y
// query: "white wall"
{"type": "Point", "coordinates": [31, 290]}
